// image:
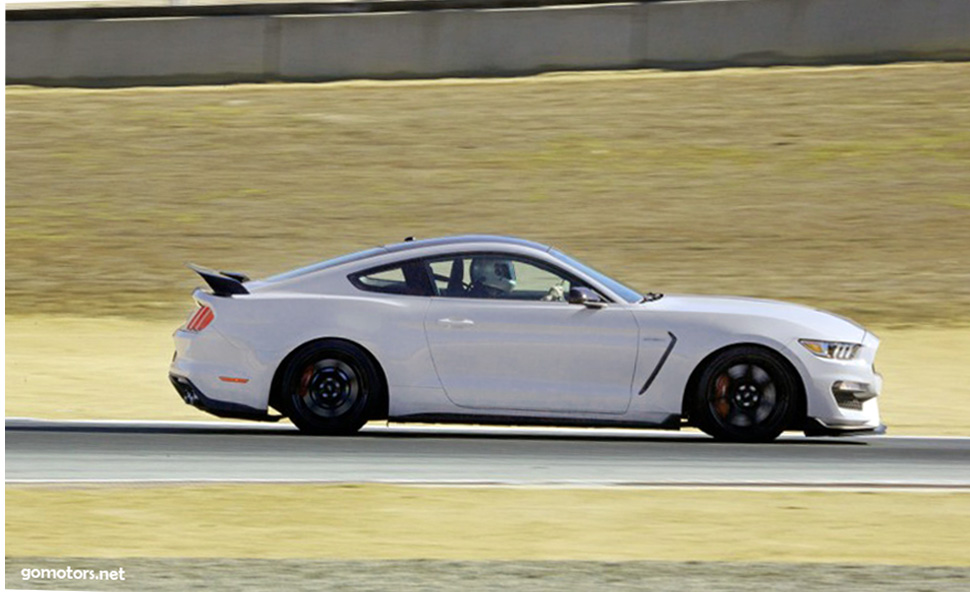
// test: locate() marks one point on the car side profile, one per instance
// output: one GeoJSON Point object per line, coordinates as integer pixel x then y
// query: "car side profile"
{"type": "Point", "coordinates": [497, 330]}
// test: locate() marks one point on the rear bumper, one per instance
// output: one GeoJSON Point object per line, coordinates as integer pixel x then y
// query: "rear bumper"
{"type": "Point", "coordinates": [223, 371]}
{"type": "Point", "coordinates": [193, 396]}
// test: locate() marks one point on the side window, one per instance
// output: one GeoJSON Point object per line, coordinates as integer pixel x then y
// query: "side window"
{"type": "Point", "coordinates": [535, 283]}
{"type": "Point", "coordinates": [496, 276]}
{"type": "Point", "coordinates": [409, 279]}
{"type": "Point", "coordinates": [450, 276]}
{"type": "Point", "coordinates": [388, 280]}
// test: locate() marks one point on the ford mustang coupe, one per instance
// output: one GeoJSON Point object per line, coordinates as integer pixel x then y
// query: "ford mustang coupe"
{"type": "Point", "coordinates": [495, 330]}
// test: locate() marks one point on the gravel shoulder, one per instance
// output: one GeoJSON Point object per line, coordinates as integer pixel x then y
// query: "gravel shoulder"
{"type": "Point", "coordinates": [164, 575]}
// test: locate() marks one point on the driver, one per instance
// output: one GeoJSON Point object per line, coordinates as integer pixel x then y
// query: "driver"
{"type": "Point", "coordinates": [491, 278]}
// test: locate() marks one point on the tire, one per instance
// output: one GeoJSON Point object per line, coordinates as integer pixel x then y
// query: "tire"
{"type": "Point", "coordinates": [329, 387]}
{"type": "Point", "coordinates": [746, 394]}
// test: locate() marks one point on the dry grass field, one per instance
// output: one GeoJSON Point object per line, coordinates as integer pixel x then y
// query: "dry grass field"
{"type": "Point", "coordinates": [925, 390]}
{"type": "Point", "coordinates": [847, 188]}
{"type": "Point", "coordinates": [487, 523]}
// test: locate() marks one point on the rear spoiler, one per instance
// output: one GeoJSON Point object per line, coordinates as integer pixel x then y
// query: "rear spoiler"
{"type": "Point", "coordinates": [223, 283]}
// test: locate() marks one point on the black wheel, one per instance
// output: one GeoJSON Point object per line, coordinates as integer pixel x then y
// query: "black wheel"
{"type": "Point", "coordinates": [745, 394]}
{"type": "Point", "coordinates": [329, 387]}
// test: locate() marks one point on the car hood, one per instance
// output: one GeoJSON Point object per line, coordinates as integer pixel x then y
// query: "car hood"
{"type": "Point", "coordinates": [817, 324]}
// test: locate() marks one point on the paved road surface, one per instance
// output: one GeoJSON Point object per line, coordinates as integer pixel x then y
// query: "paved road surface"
{"type": "Point", "coordinates": [156, 451]}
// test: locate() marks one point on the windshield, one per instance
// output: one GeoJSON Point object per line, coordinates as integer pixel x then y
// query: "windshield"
{"type": "Point", "coordinates": [326, 264]}
{"type": "Point", "coordinates": [625, 292]}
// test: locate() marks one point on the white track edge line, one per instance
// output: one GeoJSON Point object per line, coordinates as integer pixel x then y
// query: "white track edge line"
{"type": "Point", "coordinates": [512, 484]}
{"type": "Point", "coordinates": [442, 428]}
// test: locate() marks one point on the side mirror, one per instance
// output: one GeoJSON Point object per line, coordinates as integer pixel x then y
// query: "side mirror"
{"type": "Point", "coordinates": [586, 297]}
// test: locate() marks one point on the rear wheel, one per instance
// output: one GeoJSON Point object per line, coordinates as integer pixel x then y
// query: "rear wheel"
{"type": "Point", "coordinates": [745, 394]}
{"type": "Point", "coordinates": [329, 387]}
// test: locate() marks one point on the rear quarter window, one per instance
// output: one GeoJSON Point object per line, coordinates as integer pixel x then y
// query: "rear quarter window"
{"type": "Point", "coordinates": [408, 279]}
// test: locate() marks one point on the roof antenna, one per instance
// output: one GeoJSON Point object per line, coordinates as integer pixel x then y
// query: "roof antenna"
{"type": "Point", "coordinates": [409, 239]}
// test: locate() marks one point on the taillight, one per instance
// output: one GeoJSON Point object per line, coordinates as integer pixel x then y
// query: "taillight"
{"type": "Point", "coordinates": [200, 320]}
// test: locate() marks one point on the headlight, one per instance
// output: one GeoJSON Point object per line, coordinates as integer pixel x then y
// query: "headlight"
{"type": "Point", "coordinates": [834, 350]}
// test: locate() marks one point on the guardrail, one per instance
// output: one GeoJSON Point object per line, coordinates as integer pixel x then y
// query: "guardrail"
{"type": "Point", "coordinates": [460, 38]}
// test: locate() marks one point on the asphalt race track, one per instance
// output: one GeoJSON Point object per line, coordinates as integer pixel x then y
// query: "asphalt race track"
{"type": "Point", "coordinates": [91, 451]}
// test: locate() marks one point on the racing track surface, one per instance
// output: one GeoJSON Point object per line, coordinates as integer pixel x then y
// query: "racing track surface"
{"type": "Point", "coordinates": [155, 451]}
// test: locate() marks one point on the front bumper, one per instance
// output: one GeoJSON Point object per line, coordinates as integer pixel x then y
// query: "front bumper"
{"type": "Point", "coordinates": [842, 395]}
{"type": "Point", "coordinates": [815, 427]}
{"type": "Point", "coordinates": [193, 396]}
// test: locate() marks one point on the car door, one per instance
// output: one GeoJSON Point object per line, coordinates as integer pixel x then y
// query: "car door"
{"type": "Point", "coordinates": [526, 350]}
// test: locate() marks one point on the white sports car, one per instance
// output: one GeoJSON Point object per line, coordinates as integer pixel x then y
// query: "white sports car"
{"type": "Point", "coordinates": [494, 330]}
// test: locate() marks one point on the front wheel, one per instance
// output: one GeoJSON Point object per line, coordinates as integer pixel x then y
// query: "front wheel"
{"type": "Point", "coordinates": [745, 394]}
{"type": "Point", "coordinates": [329, 388]}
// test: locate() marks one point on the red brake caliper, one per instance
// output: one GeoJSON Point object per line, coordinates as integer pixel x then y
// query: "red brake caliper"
{"type": "Point", "coordinates": [721, 404]}
{"type": "Point", "coordinates": [305, 381]}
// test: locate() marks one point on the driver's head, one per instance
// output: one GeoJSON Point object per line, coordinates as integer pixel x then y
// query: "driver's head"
{"type": "Point", "coordinates": [498, 274]}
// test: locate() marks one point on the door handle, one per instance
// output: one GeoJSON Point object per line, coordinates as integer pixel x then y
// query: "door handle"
{"type": "Point", "coordinates": [457, 323]}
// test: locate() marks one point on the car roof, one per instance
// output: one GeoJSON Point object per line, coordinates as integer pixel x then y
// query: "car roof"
{"type": "Point", "coordinates": [365, 257]}
{"type": "Point", "coordinates": [463, 239]}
